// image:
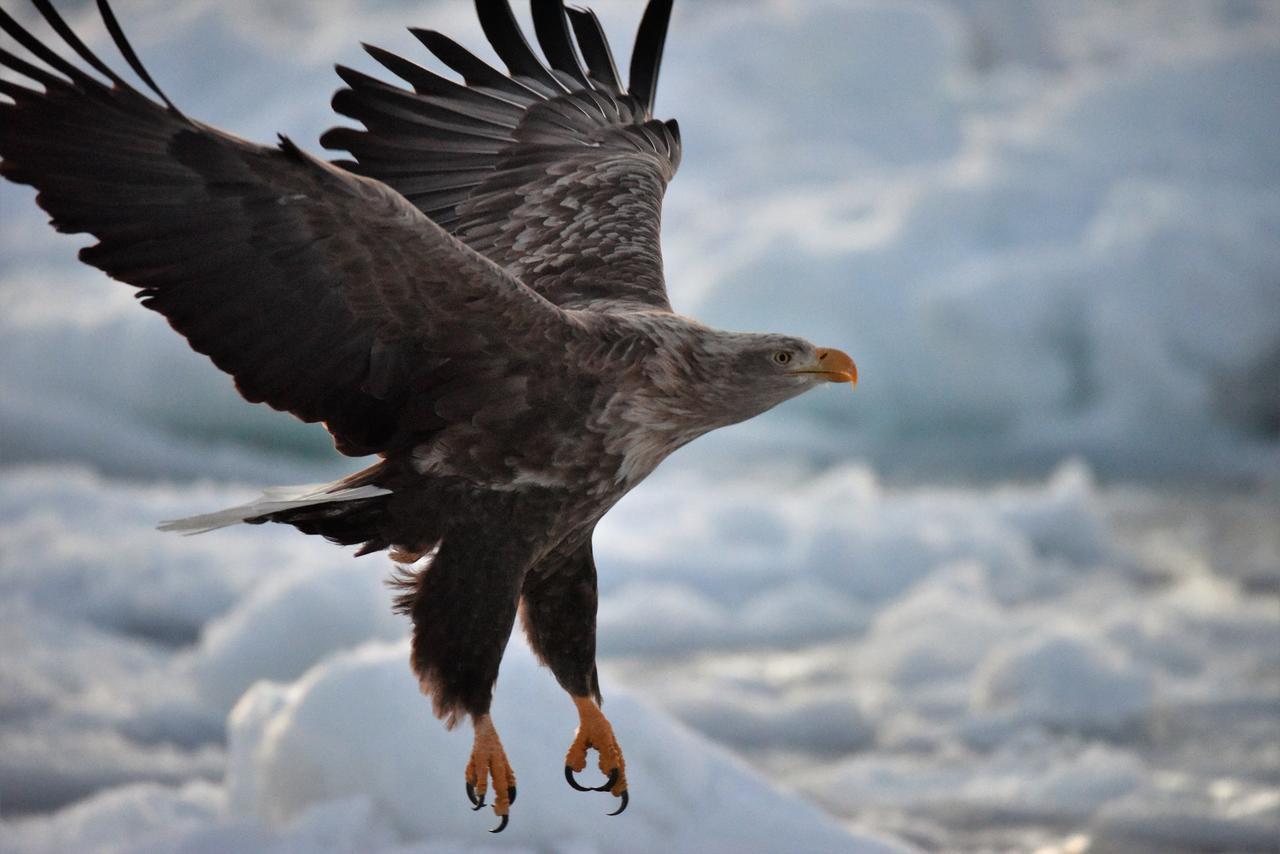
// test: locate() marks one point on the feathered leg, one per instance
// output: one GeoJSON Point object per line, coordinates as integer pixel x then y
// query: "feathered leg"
{"type": "Point", "coordinates": [559, 613]}
{"type": "Point", "coordinates": [463, 607]}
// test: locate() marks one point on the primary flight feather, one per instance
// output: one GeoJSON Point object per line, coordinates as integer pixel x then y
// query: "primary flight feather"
{"type": "Point", "coordinates": [477, 297]}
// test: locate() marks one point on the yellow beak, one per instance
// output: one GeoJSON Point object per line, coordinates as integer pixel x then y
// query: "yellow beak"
{"type": "Point", "coordinates": [835, 366]}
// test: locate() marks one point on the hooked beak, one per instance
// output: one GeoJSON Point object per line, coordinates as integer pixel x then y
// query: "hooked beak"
{"type": "Point", "coordinates": [834, 366]}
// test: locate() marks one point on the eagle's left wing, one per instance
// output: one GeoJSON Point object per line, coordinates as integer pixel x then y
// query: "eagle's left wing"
{"type": "Point", "coordinates": [322, 293]}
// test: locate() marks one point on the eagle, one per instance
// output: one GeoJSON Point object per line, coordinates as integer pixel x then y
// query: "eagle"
{"type": "Point", "coordinates": [475, 297]}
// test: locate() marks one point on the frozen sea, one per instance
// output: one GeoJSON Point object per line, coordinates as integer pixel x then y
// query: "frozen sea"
{"type": "Point", "coordinates": [1019, 592]}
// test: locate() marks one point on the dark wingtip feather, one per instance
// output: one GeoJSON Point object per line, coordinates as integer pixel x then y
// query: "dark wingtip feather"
{"type": "Point", "coordinates": [342, 138]}
{"type": "Point", "coordinates": [39, 49]}
{"type": "Point", "coordinates": [674, 127]}
{"type": "Point", "coordinates": [646, 57]}
{"type": "Point", "coordinates": [26, 69]}
{"type": "Point", "coordinates": [354, 78]}
{"type": "Point", "coordinates": [422, 80]}
{"type": "Point", "coordinates": [126, 50]}
{"type": "Point", "coordinates": [503, 32]}
{"type": "Point", "coordinates": [475, 71]}
{"type": "Point", "coordinates": [551, 25]}
{"type": "Point", "coordinates": [68, 35]}
{"type": "Point", "coordinates": [332, 139]}
{"type": "Point", "coordinates": [594, 46]}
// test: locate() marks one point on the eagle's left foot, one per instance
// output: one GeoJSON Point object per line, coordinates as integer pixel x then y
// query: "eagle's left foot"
{"type": "Point", "coordinates": [594, 731]}
{"type": "Point", "coordinates": [489, 760]}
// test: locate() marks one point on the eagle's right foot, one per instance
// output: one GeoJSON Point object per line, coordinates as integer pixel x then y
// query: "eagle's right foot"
{"type": "Point", "coordinates": [489, 760]}
{"type": "Point", "coordinates": [594, 731]}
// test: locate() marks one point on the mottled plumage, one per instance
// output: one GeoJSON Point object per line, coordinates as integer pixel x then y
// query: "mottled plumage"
{"type": "Point", "coordinates": [477, 298]}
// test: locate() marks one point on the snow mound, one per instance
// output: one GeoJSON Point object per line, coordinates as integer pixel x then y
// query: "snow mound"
{"type": "Point", "coordinates": [356, 726]}
{"type": "Point", "coordinates": [1064, 682]}
{"type": "Point", "coordinates": [744, 565]}
{"type": "Point", "coordinates": [288, 623]}
{"type": "Point", "coordinates": [1028, 780]}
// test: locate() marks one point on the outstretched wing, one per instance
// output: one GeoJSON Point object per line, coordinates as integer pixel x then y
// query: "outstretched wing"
{"type": "Point", "coordinates": [555, 172]}
{"type": "Point", "coordinates": [323, 293]}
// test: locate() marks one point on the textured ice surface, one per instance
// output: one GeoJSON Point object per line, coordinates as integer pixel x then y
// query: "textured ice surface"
{"type": "Point", "coordinates": [1021, 666]}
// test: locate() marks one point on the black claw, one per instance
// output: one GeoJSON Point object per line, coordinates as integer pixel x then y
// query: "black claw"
{"type": "Point", "coordinates": [502, 825]}
{"type": "Point", "coordinates": [568, 776]}
{"type": "Point", "coordinates": [608, 784]}
{"type": "Point", "coordinates": [511, 795]}
{"type": "Point", "coordinates": [471, 793]}
{"type": "Point", "coordinates": [626, 799]}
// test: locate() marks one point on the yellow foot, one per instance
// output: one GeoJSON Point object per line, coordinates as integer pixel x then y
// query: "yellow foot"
{"type": "Point", "coordinates": [594, 731]}
{"type": "Point", "coordinates": [489, 760]}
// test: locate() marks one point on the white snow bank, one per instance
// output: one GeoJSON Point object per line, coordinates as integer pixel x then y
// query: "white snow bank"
{"type": "Point", "coordinates": [74, 714]}
{"type": "Point", "coordinates": [1030, 779]}
{"type": "Point", "coordinates": [1063, 681]}
{"type": "Point", "coordinates": [60, 527]}
{"type": "Point", "coordinates": [890, 652]}
{"type": "Point", "coordinates": [290, 622]}
{"type": "Point", "coordinates": [756, 562]}
{"type": "Point", "coordinates": [357, 726]}
{"type": "Point", "coordinates": [1225, 816]}
{"type": "Point", "coordinates": [140, 817]}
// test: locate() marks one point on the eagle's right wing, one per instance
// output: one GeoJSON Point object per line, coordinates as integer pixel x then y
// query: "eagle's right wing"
{"type": "Point", "coordinates": [321, 292]}
{"type": "Point", "coordinates": [555, 172]}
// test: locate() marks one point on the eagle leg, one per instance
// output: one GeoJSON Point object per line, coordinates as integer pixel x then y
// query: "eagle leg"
{"type": "Point", "coordinates": [489, 761]}
{"type": "Point", "coordinates": [594, 731]}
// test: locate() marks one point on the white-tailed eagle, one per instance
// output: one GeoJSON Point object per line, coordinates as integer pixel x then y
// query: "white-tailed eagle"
{"type": "Point", "coordinates": [476, 297]}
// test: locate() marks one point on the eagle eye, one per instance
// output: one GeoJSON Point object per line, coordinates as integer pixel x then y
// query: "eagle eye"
{"type": "Point", "coordinates": [782, 357]}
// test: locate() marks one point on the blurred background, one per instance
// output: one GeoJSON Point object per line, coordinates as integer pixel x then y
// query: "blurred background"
{"type": "Point", "coordinates": [1020, 591]}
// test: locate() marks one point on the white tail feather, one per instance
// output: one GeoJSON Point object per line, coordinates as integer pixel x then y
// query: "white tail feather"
{"type": "Point", "coordinates": [273, 500]}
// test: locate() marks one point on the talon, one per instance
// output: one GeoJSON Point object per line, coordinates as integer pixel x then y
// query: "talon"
{"type": "Point", "coordinates": [594, 732]}
{"type": "Point", "coordinates": [609, 784]}
{"type": "Point", "coordinates": [489, 761]}
{"type": "Point", "coordinates": [568, 776]}
{"type": "Point", "coordinates": [501, 825]}
{"type": "Point", "coordinates": [626, 799]}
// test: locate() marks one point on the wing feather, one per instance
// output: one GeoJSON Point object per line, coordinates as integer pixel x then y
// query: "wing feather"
{"type": "Point", "coordinates": [477, 73]}
{"type": "Point", "coordinates": [646, 57]}
{"type": "Point", "coordinates": [468, 101]}
{"type": "Point", "coordinates": [500, 28]}
{"type": "Point", "coordinates": [551, 25]}
{"type": "Point", "coordinates": [595, 49]}
{"type": "Point", "coordinates": [580, 167]}
{"type": "Point", "coordinates": [322, 293]}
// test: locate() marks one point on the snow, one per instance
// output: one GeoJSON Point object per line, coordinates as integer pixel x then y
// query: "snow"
{"type": "Point", "coordinates": [1063, 681]}
{"type": "Point", "coordinates": [1017, 592]}
{"type": "Point", "coordinates": [307, 743]}
{"type": "Point", "coordinates": [1014, 673]}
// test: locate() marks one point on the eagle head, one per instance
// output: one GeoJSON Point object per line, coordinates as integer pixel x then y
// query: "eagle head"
{"type": "Point", "coordinates": [742, 375]}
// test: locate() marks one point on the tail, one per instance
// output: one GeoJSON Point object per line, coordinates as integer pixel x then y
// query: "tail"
{"type": "Point", "coordinates": [284, 504]}
{"type": "Point", "coordinates": [342, 512]}
{"type": "Point", "coordinates": [377, 508]}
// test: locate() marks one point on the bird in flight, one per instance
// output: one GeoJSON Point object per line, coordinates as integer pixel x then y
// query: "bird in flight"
{"type": "Point", "coordinates": [476, 297]}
